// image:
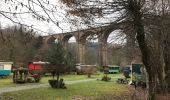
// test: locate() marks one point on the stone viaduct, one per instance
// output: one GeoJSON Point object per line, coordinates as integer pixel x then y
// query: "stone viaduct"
{"type": "Point", "coordinates": [81, 36]}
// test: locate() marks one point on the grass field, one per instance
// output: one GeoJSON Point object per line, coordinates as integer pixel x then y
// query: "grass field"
{"type": "Point", "coordinates": [7, 82]}
{"type": "Point", "coordinates": [94, 90]}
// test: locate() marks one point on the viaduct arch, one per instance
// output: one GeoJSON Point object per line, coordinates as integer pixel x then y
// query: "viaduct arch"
{"type": "Point", "coordinates": [80, 36]}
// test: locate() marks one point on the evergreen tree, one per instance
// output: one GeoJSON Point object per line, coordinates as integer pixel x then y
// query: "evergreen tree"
{"type": "Point", "coordinates": [56, 54]}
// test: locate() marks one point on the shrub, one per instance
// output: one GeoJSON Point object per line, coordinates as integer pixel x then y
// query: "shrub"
{"type": "Point", "coordinates": [126, 74]}
{"type": "Point", "coordinates": [106, 78]}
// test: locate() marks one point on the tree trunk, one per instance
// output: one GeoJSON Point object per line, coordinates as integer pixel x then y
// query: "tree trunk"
{"type": "Point", "coordinates": [167, 62]}
{"type": "Point", "coordinates": [58, 76]}
{"type": "Point", "coordinates": [89, 75]}
{"type": "Point", "coordinates": [146, 58]}
{"type": "Point", "coordinates": [58, 83]}
{"type": "Point", "coordinates": [152, 87]}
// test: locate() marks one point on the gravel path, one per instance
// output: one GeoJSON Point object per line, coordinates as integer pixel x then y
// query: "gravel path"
{"type": "Point", "coordinates": [10, 89]}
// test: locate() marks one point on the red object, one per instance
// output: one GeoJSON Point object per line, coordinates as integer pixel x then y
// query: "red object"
{"type": "Point", "coordinates": [34, 67]}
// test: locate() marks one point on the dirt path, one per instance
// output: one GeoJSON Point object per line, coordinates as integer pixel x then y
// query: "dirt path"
{"type": "Point", "coordinates": [140, 93]}
{"type": "Point", "coordinates": [10, 89]}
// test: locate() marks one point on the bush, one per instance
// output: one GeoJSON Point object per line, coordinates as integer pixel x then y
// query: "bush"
{"type": "Point", "coordinates": [106, 78]}
{"type": "Point", "coordinates": [57, 84]}
{"type": "Point", "coordinates": [126, 74]}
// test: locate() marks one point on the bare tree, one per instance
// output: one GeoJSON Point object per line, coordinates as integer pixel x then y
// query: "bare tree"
{"type": "Point", "coordinates": [18, 45]}
{"type": "Point", "coordinates": [26, 12]}
{"type": "Point", "coordinates": [134, 14]}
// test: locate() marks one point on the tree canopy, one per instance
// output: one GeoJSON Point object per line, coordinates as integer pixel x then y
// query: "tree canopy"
{"type": "Point", "coordinates": [34, 14]}
{"type": "Point", "coordinates": [56, 54]}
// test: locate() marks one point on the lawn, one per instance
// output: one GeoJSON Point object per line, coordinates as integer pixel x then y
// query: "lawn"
{"type": "Point", "coordinates": [68, 77]}
{"type": "Point", "coordinates": [7, 82]}
{"type": "Point", "coordinates": [94, 90]}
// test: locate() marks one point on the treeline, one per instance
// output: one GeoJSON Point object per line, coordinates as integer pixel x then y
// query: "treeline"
{"type": "Point", "coordinates": [18, 44]}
